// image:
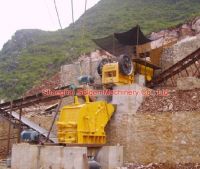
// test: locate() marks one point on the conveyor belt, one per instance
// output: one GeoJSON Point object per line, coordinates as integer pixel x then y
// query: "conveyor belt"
{"type": "Point", "coordinates": [30, 100]}
{"type": "Point", "coordinates": [27, 101]}
{"type": "Point", "coordinates": [35, 127]}
{"type": "Point", "coordinates": [15, 117]}
{"type": "Point", "coordinates": [7, 107]}
{"type": "Point", "coordinates": [177, 68]}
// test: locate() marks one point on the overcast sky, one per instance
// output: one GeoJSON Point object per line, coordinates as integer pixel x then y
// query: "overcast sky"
{"type": "Point", "coordinates": [36, 14]}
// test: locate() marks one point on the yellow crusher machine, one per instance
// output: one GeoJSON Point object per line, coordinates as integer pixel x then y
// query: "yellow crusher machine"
{"type": "Point", "coordinates": [84, 123]}
{"type": "Point", "coordinates": [122, 72]}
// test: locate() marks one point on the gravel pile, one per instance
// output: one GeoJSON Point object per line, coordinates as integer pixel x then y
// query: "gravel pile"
{"type": "Point", "coordinates": [161, 166]}
{"type": "Point", "coordinates": [175, 100]}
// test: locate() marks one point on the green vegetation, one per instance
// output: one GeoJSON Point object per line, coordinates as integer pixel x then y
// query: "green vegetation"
{"type": "Point", "coordinates": [34, 55]}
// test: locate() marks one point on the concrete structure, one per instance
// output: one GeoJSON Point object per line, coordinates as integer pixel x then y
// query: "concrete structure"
{"type": "Point", "coordinates": [25, 156]}
{"type": "Point", "coordinates": [140, 79]}
{"type": "Point", "coordinates": [110, 157]}
{"type": "Point", "coordinates": [121, 126]}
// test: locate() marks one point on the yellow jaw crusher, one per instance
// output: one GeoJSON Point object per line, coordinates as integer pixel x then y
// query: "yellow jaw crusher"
{"type": "Point", "coordinates": [84, 123]}
{"type": "Point", "coordinates": [118, 73]}
{"type": "Point", "coordinates": [123, 71]}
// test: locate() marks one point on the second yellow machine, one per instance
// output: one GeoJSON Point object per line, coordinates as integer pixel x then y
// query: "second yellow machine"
{"type": "Point", "coordinates": [84, 123]}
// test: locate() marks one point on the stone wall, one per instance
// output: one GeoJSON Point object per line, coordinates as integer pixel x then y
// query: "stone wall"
{"type": "Point", "coordinates": [165, 137]}
{"type": "Point", "coordinates": [120, 128]}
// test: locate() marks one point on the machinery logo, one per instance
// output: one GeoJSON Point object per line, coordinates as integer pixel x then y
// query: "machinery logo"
{"type": "Point", "coordinates": [106, 92]}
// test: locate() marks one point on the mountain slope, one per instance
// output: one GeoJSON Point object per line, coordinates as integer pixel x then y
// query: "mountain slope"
{"type": "Point", "coordinates": [33, 55]}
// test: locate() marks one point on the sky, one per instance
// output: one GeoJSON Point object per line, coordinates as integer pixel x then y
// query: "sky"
{"type": "Point", "coordinates": [37, 14]}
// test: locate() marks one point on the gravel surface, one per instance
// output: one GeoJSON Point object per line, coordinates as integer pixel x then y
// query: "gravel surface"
{"type": "Point", "coordinates": [162, 166]}
{"type": "Point", "coordinates": [174, 100]}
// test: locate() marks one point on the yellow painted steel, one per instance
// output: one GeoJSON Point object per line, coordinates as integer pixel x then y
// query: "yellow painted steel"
{"type": "Point", "coordinates": [84, 123]}
{"type": "Point", "coordinates": [111, 75]}
{"type": "Point", "coordinates": [145, 70]}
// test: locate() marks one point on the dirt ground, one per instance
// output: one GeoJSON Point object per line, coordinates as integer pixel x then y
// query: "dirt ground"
{"type": "Point", "coordinates": [3, 165]}
{"type": "Point", "coordinates": [149, 166]}
{"type": "Point", "coordinates": [163, 166]}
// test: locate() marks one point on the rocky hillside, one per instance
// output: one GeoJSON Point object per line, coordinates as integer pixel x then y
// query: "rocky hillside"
{"type": "Point", "coordinates": [34, 55]}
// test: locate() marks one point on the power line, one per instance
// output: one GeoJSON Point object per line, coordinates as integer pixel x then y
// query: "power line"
{"type": "Point", "coordinates": [85, 5]}
{"type": "Point", "coordinates": [57, 14]}
{"type": "Point", "coordinates": [72, 6]}
{"type": "Point", "coordinates": [83, 26]}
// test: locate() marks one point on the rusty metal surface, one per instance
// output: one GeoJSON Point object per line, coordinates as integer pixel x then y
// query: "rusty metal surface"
{"type": "Point", "coordinates": [147, 63]}
{"type": "Point", "coordinates": [28, 101]}
{"type": "Point", "coordinates": [176, 68]}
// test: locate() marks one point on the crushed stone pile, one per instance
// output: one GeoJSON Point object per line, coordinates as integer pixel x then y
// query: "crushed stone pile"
{"type": "Point", "coordinates": [161, 166]}
{"type": "Point", "coordinates": [176, 100]}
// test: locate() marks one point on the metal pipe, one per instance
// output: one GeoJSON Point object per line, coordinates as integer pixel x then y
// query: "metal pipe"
{"type": "Point", "coordinates": [20, 125]}
{"type": "Point", "coordinates": [9, 131]}
{"type": "Point", "coordinates": [54, 119]}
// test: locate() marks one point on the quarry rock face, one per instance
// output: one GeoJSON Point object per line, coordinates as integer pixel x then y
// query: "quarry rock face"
{"type": "Point", "coordinates": [186, 30]}
{"type": "Point", "coordinates": [188, 83]}
{"type": "Point", "coordinates": [179, 51]}
{"type": "Point", "coordinates": [196, 26]}
{"type": "Point", "coordinates": [189, 28]}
